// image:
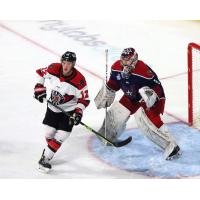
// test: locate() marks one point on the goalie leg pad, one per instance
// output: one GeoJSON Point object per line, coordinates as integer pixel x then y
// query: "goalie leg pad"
{"type": "Point", "coordinates": [172, 150]}
{"type": "Point", "coordinates": [116, 119]}
{"type": "Point", "coordinates": [159, 136]}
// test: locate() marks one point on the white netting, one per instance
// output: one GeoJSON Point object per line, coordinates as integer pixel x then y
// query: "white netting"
{"type": "Point", "coordinates": [196, 86]}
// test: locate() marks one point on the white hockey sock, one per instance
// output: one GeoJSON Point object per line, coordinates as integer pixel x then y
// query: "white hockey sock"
{"type": "Point", "coordinates": [48, 153]}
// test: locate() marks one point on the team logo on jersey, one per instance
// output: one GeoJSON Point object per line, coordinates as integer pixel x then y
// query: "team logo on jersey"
{"type": "Point", "coordinates": [56, 97]}
{"type": "Point", "coordinates": [129, 93]}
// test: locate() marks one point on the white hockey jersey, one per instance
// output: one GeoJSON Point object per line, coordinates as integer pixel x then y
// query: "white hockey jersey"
{"type": "Point", "coordinates": [71, 91]}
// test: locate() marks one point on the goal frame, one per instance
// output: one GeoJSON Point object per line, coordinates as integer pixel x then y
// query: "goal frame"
{"type": "Point", "coordinates": [190, 81]}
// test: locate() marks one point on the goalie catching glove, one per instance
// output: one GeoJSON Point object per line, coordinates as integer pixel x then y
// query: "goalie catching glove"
{"type": "Point", "coordinates": [105, 97]}
{"type": "Point", "coordinates": [149, 96]}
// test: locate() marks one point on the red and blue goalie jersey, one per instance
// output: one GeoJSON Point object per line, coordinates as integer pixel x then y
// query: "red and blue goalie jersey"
{"type": "Point", "coordinates": [142, 75]}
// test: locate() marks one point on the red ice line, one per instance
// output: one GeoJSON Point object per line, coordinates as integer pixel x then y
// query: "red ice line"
{"type": "Point", "coordinates": [86, 70]}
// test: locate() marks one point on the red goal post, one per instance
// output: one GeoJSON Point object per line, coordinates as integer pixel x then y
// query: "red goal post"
{"type": "Point", "coordinates": [194, 84]}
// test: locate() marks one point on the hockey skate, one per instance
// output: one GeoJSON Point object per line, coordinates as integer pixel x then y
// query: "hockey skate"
{"type": "Point", "coordinates": [175, 153]}
{"type": "Point", "coordinates": [44, 165]}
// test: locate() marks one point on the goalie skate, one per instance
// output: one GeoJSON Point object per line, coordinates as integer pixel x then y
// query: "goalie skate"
{"type": "Point", "coordinates": [175, 153]}
{"type": "Point", "coordinates": [44, 165]}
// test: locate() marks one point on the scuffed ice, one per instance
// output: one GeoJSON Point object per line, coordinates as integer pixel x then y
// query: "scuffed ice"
{"type": "Point", "coordinates": [142, 156]}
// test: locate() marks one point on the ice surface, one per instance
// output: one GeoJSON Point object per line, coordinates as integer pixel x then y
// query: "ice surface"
{"type": "Point", "coordinates": [144, 157]}
{"type": "Point", "coordinates": [28, 45]}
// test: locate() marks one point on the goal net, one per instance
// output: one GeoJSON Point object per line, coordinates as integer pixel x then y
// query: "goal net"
{"type": "Point", "coordinates": [194, 85]}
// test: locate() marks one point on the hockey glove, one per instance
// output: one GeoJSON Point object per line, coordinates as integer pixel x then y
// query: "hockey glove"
{"type": "Point", "coordinates": [105, 97]}
{"type": "Point", "coordinates": [149, 96]}
{"type": "Point", "coordinates": [40, 92]}
{"type": "Point", "coordinates": [76, 117]}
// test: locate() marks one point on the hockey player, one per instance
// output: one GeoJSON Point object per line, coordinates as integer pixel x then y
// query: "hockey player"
{"type": "Point", "coordinates": [69, 91]}
{"type": "Point", "coordinates": [143, 96]}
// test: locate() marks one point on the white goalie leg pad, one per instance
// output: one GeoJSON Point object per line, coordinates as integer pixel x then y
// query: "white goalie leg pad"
{"type": "Point", "coordinates": [116, 119]}
{"type": "Point", "coordinates": [159, 136]}
{"type": "Point", "coordinates": [105, 97]}
{"type": "Point", "coordinates": [168, 150]}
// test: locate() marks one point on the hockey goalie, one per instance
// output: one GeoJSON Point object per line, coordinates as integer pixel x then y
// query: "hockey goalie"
{"type": "Point", "coordinates": [143, 96]}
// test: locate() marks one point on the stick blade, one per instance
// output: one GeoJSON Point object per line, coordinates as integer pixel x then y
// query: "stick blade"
{"type": "Point", "coordinates": [122, 143]}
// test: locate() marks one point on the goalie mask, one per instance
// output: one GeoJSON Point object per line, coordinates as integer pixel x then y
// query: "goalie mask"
{"type": "Point", "coordinates": [129, 58]}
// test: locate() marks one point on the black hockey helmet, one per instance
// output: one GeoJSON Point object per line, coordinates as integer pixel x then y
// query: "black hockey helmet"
{"type": "Point", "coordinates": [69, 56]}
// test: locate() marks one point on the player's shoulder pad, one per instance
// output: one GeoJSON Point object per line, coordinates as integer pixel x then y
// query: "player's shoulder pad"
{"type": "Point", "coordinates": [143, 70]}
{"type": "Point", "coordinates": [117, 66]}
{"type": "Point", "coordinates": [54, 68]}
{"type": "Point", "coordinates": [78, 80]}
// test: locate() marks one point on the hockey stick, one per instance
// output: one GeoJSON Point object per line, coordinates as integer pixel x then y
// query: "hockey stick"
{"type": "Point", "coordinates": [119, 143]}
{"type": "Point", "coordinates": [106, 110]}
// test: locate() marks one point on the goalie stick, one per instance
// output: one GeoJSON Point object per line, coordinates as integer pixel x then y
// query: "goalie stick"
{"type": "Point", "coordinates": [106, 110]}
{"type": "Point", "coordinates": [118, 143]}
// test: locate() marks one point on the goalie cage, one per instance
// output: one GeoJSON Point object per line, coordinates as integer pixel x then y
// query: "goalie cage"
{"type": "Point", "coordinates": [194, 85]}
